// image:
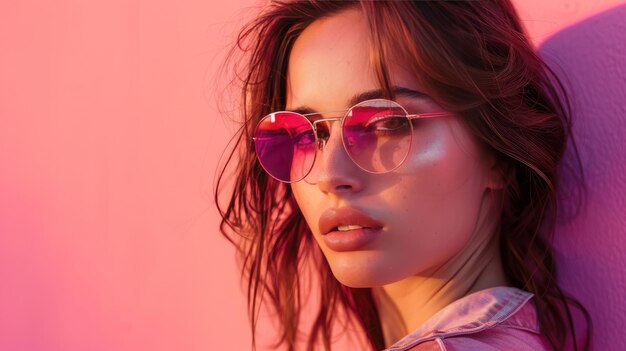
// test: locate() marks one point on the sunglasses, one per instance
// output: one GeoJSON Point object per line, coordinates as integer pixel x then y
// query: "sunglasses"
{"type": "Point", "coordinates": [376, 134]}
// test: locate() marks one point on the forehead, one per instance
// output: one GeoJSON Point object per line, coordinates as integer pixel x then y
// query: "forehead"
{"type": "Point", "coordinates": [331, 62]}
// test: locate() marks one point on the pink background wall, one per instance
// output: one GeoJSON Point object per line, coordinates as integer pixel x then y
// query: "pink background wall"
{"type": "Point", "coordinates": [590, 56]}
{"type": "Point", "coordinates": [109, 137]}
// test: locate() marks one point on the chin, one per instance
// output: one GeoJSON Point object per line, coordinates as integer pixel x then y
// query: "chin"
{"type": "Point", "coordinates": [358, 282]}
{"type": "Point", "coordinates": [361, 273]}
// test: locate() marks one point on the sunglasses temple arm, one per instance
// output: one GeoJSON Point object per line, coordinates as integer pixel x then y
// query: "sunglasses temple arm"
{"type": "Point", "coordinates": [428, 115]}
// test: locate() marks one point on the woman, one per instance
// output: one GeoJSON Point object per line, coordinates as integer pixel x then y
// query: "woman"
{"type": "Point", "coordinates": [407, 154]}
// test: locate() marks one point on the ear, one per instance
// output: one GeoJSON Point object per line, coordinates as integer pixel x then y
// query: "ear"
{"type": "Point", "coordinates": [498, 172]}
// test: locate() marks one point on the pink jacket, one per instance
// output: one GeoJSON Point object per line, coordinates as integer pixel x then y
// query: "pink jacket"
{"type": "Point", "coordinates": [499, 318]}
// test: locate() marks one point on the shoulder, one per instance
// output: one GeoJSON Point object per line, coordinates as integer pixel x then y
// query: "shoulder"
{"type": "Point", "coordinates": [501, 318]}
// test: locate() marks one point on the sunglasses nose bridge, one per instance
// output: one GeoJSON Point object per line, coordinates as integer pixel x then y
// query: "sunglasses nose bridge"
{"type": "Point", "coordinates": [323, 137]}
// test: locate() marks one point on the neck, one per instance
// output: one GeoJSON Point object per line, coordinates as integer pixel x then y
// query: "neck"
{"type": "Point", "coordinates": [405, 305]}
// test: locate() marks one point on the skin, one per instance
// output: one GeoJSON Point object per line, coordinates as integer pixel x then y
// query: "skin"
{"type": "Point", "coordinates": [438, 241]}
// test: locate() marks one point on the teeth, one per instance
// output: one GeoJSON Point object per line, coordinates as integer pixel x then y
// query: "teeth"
{"type": "Point", "coordinates": [346, 227]}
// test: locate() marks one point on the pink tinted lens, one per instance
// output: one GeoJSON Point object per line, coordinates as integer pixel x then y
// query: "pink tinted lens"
{"type": "Point", "coordinates": [285, 145]}
{"type": "Point", "coordinates": [377, 135]}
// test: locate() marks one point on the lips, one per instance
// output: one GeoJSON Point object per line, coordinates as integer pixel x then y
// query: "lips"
{"type": "Point", "coordinates": [346, 219]}
{"type": "Point", "coordinates": [347, 229]}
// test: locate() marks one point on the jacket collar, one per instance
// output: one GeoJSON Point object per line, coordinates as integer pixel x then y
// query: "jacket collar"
{"type": "Point", "coordinates": [473, 313]}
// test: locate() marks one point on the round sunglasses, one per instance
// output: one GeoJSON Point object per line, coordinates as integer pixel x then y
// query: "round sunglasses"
{"type": "Point", "coordinates": [377, 135]}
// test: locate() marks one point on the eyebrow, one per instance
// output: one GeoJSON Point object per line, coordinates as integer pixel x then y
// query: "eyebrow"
{"type": "Point", "coordinates": [368, 95]}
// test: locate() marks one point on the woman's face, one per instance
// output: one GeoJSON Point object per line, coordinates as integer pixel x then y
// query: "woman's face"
{"type": "Point", "coordinates": [376, 229]}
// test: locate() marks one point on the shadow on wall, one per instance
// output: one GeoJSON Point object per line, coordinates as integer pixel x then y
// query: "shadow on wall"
{"type": "Point", "coordinates": [590, 58]}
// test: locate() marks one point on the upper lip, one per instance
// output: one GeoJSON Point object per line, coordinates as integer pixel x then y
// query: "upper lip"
{"type": "Point", "coordinates": [334, 217]}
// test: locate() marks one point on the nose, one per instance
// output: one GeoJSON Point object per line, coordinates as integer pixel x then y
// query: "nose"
{"type": "Point", "coordinates": [333, 170]}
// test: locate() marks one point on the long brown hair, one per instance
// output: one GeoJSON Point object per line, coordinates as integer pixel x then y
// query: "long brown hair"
{"type": "Point", "coordinates": [473, 58]}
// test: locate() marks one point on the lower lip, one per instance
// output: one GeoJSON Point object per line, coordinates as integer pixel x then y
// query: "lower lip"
{"type": "Point", "coordinates": [351, 240]}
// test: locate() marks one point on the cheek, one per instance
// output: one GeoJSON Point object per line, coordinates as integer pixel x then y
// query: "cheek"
{"type": "Point", "coordinates": [442, 161]}
{"type": "Point", "coordinates": [437, 202]}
